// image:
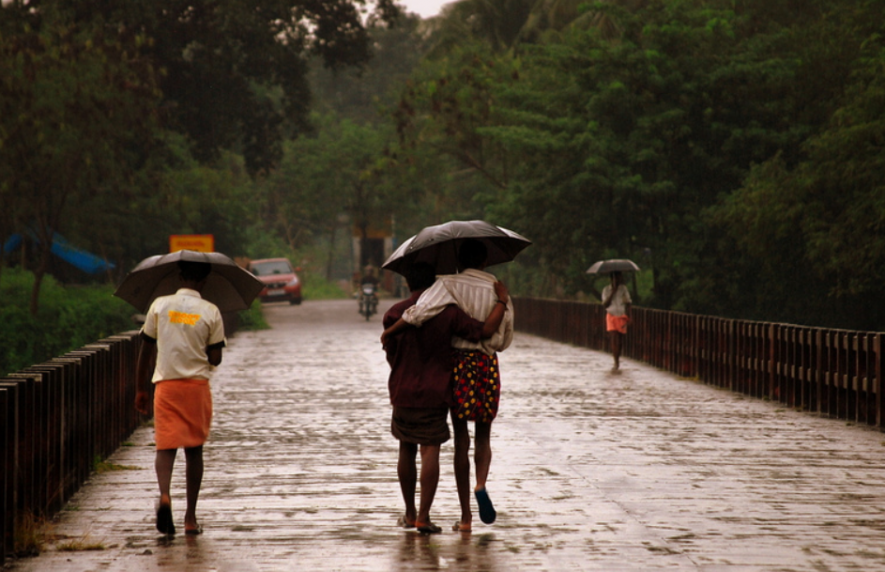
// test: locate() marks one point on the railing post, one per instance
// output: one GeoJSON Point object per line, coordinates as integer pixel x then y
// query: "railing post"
{"type": "Point", "coordinates": [877, 382]}
{"type": "Point", "coordinates": [773, 390]}
{"type": "Point", "coordinates": [7, 444]}
{"type": "Point", "coordinates": [730, 358]}
{"type": "Point", "coordinates": [10, 452]}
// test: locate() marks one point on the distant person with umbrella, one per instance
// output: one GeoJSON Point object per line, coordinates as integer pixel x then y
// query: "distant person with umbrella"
{"type": "Point", "coordinates": [616, 300]}
{"type": "Point", "coordinates": [185, 334]}
{"type": "Point", "coordinates": [477, 381]}
{"type": "Point", "coordinates": [420, 388]}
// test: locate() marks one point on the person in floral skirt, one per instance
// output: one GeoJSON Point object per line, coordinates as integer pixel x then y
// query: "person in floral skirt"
{"type": "Point", "coordinates": [477, 377]}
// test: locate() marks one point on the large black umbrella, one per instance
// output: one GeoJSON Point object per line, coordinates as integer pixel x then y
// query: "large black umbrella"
{"type": "Point", "coordinates": [438, 245]}
{"type": "Point", "coordinates": [613, 265]}
{"type": "Point", "coordinates": [228, 286]}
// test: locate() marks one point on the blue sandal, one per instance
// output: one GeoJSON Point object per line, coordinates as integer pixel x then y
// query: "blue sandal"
{"type": "Point", "coordinates": [487, 512]}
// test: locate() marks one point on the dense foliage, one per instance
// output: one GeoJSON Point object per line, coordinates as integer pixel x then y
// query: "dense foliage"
{"type": "Point", "coordinates": [108, 109]}
{"type": "Point", "coordinates": [233, 73]}
{"type": "Point", "coordinates": [734, 149]}
{"type": "Point", "coordinates": [69, 318]}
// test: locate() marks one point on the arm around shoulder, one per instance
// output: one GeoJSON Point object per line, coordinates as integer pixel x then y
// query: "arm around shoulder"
{"type": "Point", "coordinates": [431, 302]}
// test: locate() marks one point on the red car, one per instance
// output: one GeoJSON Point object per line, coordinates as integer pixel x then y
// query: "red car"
{"type": "Point", "coordinates": [280, 281]}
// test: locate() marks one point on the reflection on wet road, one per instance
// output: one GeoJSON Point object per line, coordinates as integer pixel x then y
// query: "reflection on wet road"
{"type": "Point", "coordinates": [592, 471]}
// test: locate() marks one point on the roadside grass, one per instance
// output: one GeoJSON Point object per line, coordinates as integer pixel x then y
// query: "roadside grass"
{"type": "Point", "coordinates": [316, 287]}
{"type": "Point", "coordinates": [29, 535]}
{"type": "Point", "coordinates": [83, 544]}
{"type": "Point", "coordinates": [102, 467]}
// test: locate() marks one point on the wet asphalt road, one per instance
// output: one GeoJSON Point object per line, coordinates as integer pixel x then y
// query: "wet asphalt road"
{"type": "Point", "coordinates": [636, 471]}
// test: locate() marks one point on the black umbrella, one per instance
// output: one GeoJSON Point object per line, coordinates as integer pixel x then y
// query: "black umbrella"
{"type": "Point", "coordinates": [614, 265]}
{"type": "Point", "coordinates": [438, 245]}
{"type": "Point", "coordinates": [228, 286]}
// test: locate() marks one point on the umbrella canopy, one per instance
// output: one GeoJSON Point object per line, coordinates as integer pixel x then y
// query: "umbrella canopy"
{"type": "Point", "coordinates": [438, 245]}
{"type": "Point", "coordinates": [228, 286]}
{"type": "Point", "coordinates": [614, 265]}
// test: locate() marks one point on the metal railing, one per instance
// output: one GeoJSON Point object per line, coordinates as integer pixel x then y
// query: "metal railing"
{"type": "Point", "coordinates": [57, 419]}
{"type": "Point", "coordinates": [829, 372]}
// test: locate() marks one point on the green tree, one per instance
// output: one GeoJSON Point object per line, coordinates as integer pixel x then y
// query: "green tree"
{"type": "Point", "coordinates": [77, 117]}
{"type": "Point", "coordinates": [549, 19]}
{"type": "Point", "coordinates": [816, 227]}
{"type": "Point", "coordinates": [362, 94]}
{"type": "Point", "coordinates": [495, 23]}
{"type": "Point", "coordinates": [339, 171]}
{"type": "Point", "coordinates": [449, 106]}
{"type": "Point", "coordinates": [618, 147]}
{"type": "Point", "coordinates": [234, 71]}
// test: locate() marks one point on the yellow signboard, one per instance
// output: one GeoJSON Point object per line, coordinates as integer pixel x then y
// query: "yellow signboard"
{"type": "Point", "coordinates": [198, 242]}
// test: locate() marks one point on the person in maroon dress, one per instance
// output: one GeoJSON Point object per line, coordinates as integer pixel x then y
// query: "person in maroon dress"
{"type": "Point", "coordinates": [420, 386]}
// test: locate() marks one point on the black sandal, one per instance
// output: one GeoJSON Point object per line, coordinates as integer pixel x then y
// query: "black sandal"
{"type": "Point", "coordinates": [165, 524]}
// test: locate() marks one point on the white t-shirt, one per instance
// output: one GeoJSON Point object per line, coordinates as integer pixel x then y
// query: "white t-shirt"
{"type": "Point", "coordinates": [184, 325]}
{"type": "Point", "coordinates": [474, 292]}
{"type": "Point", "coordinates": [618, 306]}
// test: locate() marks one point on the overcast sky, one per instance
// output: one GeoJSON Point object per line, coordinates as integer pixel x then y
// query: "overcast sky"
{"type": "Point", "coordinates": [424, 8]}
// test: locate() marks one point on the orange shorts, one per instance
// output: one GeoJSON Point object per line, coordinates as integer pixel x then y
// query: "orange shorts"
{"type": "Point", "coordinates": [616, 323]}
{"type": "Point", "coordinates": [182, 413]}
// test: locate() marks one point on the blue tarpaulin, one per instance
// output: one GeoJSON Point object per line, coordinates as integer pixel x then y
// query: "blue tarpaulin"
{"type": "Point", "coordinates": [85, 261]}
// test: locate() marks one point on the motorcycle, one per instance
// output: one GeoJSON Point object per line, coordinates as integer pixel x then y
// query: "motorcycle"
{"type": "Point", "coordinates": [368, 300]}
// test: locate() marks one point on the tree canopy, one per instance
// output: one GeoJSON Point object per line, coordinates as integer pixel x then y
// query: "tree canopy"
{"type": "Point", "coordinates": [77, 119]}
{"type": "Point", "coordinates": [733, 149]}
{"type": "Point", "coordinates": [233, 74]}
{"type": "Point", "coordinates": [114, 98]}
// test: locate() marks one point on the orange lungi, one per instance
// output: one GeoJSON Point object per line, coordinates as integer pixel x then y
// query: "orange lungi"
{"type": "Point", "coordinates": [182, 413]}
{"type": "Point", "coordinates": [616, 323]}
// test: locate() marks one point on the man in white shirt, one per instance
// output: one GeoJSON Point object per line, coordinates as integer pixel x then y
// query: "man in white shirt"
{"type": "Point", "coordinates": [185, 334]}
{"type": "Point", "coordinates": [616, 300]}
{"type": "Point", "coordinates": [476, 378]}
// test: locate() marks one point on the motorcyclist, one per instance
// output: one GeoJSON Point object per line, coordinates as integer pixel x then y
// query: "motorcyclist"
{"type": "Point", "coordinates": [369, 277]}
{"type": "Point", "coordinates": [370, 299]}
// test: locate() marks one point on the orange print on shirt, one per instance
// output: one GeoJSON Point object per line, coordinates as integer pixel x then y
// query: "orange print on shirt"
{"type": "Point", "coordinates": [182, 318]}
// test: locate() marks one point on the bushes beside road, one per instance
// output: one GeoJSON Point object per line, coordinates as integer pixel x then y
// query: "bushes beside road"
{"type": "Point", "coordinates": [253, 319]}
{"type": "Point", "coordinates": [69, 317]}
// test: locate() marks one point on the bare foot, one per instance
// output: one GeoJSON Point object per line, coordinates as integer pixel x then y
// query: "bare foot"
{"type": "Point", "coordinates": [404, 522]}
{"type": "Point", "coordinates": [461, 526]}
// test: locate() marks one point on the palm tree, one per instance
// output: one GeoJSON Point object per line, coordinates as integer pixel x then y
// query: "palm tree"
{"type": "Point", "coordinates": [503, 24]}
{"type": "Point", "coordinates": [549, 17]}
{"type": "Point", "coordinates": [496, 22]}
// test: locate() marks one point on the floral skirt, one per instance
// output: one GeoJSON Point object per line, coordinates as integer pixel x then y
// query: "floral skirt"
{"type": "Point", "coordinates": [477, 383]}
